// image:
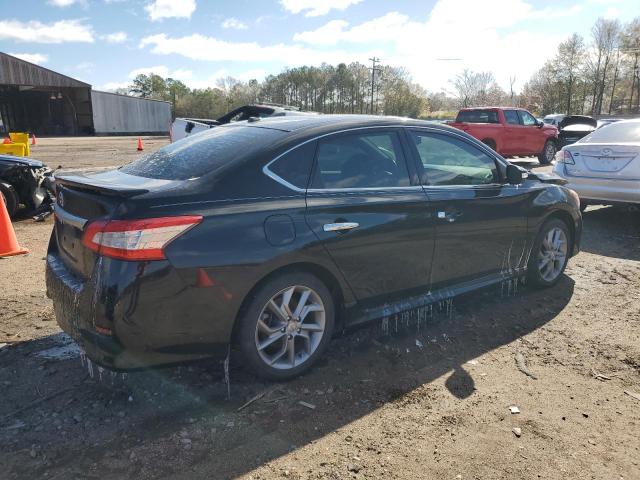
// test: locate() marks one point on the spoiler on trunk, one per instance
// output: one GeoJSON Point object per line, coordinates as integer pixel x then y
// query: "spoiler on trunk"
{"type": "Point", "coordinates": [112, 182]}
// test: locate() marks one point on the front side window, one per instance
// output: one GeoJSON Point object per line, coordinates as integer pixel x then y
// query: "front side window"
{"type": "Point", "coordinates": [447, 160]}
{"type": "Point", "coordinates": [511, 116]}
{"type": "Point", "coordinates": [360, 160]}
{"type": "Point", "coordinates": [527, 118]}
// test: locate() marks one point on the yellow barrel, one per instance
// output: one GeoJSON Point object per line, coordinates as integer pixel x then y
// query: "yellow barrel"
{"type": "Point", "coordinates": [17, 149]}
{"type": "Point", "coordinates": [23, 138]}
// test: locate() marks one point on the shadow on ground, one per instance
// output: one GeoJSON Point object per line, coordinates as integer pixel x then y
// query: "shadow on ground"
{"type": "Point", "coordinates": [618, 232]}
{"type": "Point", "coordinates": [177, 423]}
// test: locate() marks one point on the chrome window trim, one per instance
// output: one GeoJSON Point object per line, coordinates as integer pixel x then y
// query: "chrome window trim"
{"type": "Point", "coordinates": [290, 186]}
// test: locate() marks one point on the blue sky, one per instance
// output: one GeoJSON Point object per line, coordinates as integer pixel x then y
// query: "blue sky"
{"type": "Point", "coordinates": [106, 42]}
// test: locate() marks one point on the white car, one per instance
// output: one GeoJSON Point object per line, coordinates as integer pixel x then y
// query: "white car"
{"type": "Point", "coordinates": [604, 167]}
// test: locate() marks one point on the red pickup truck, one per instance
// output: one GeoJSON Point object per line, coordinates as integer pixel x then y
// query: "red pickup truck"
{"type": "Point", "coordinates": [512, 132]}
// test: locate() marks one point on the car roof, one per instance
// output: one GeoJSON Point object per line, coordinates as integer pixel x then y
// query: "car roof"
{"type": "Point", "coordinates": [330, 123]}
{"type": "Point", "coordinates": [491, 108]}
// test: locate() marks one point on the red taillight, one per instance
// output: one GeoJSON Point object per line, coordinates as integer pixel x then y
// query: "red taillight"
{"type": "Point", "coordinates": [564, 156]}
{"type": "Point", "coordinates": [136, 239]}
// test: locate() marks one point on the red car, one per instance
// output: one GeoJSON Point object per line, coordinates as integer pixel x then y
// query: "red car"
{"type": "Point", "coordinates": [512, 132]}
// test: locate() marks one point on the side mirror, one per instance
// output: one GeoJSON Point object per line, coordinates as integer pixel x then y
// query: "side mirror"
{"type": "Point", "coordinates": [515, 176]}
{"type": "Point", "coordinates": [540, 124]}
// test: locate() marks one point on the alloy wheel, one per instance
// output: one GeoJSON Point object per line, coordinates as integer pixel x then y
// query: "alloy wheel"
{"type": "Point", "coordinates": [550, 151]}
{"type": "Point", "coordinates": [290, 327]}
{"type": "Point", "coordinates": [553, 254]}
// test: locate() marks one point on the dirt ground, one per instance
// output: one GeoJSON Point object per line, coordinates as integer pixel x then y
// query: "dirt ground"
{"type": "Point", "coordinates": [430, 402]}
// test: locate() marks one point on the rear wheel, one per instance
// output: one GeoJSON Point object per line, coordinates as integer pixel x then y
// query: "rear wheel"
{"type": "Point", "coordinates": [489, 143]}
{"type": "Point", "coordinates": [548, 153]}
{"type": "Point", "coordinates": [286, 326]}
{"type": "Point", "coordinates": [10, 197]}
{"type": "Point", "coordinates": [550, 253]}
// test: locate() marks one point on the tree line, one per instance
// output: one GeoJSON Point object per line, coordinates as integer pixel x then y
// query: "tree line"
{"type": "Point", "coordinates": [594, 76]}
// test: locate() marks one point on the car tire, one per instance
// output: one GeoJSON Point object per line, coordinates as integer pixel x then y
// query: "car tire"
{"type": "Point", "coordinates": [548, 153]}
{"type": "Point", "coordinates": [10, 197]}
{"type": "Point", "coordinates": [279, 342]}
{"type": "Point", "coordinates": [550, 254]}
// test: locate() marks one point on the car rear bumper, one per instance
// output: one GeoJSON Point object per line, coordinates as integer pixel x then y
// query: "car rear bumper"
{"type": "Point", "coordinates": [600, 189]}
{"type": "Point", "coordinates": [137, 315]}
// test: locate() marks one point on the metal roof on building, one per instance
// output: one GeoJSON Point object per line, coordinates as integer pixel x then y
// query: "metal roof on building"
{"type": "Point", "coordinates": [14, 71]}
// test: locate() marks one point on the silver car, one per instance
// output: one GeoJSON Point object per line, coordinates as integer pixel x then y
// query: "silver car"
{"type": "Point", "coordinates": [604, 166]}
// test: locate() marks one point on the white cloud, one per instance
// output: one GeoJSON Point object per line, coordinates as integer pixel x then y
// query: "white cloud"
{"type": "Point", "coordinates": [115, 37]}
{"type": "Point", "coordinates": [57, 32]}
{"type": "Point", "coordinates": [478, 39]}
{"type": "Point", "coordinates": [612, 13]}
{"type": "Point", "coordinates": [159, 9]}
{"type": "Point", "coordinates": [37, 58]}
{"type": "Point", "coordinates": [200, 47]}
{"type": "Point", "coordinates": [163, 71]}
{"type": "Point", "coordinates": [65, 3]}
{"type": "Point", "coordinates": [316, 8]}
{"type": "Point", "coordinates": [257, 74]}
{"type": "Point", "coordinates": [234, 23]}
{"type": "Point", "coordinates": [113, 86]}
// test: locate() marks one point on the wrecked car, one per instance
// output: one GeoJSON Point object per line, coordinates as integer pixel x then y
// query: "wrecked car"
{"type": "Point", "coordinates": [28, 182]}
{"type": "Point", "coordinates": [573, 127]}
{"type": "Point", "coordinates": [184, 127]}
{"type": "Point", "coordinates": [271, 235]}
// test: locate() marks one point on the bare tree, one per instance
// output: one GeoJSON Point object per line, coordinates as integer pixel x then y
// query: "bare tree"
{"type": "Point", "coordinates": [568, 62]}
{"type": "Point", "coordinates": [606, 35]}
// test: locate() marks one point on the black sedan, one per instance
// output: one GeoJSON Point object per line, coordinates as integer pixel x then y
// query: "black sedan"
{"type": "Point", "coordinates": [272, 234]}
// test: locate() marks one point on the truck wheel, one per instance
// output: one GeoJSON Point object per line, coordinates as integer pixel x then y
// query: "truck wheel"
{"type": "Point", "coordinates": [548, 152]}
{"type": "Point", "coordinates": [490, 143]}
{"type": "Point", "coordinates": [10, 197]}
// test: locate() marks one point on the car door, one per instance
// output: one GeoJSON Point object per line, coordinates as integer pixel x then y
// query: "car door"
{"type": "Point", "coordinates": [514, 139]}
{"type": "Point", "coordinates": [533, 139]}
{"type": "Point", "coordinates": [372, 221]}
{"type": "Point", "coordinates": [481, 221]}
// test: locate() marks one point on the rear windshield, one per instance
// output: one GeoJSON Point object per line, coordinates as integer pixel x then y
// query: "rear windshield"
{"type": "Point", "coordinates": [202, 153]}
{"type": "Point", "coordinates": [478, 116]}
{"type": "Point", "coordinates": [619, 132]}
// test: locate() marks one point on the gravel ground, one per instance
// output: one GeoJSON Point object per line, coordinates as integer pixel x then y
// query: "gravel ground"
{"type": "Point", "coordinates": [423, 402]}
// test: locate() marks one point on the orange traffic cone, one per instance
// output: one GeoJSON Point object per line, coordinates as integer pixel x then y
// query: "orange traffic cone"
{"type": "Point", "coordinates": [140, 148]}
{"type": "Point", "coordinates": [8, 241]}
{"type": "Point", "coordinates": [204, 280]}
{"type": "Point", "coordinates": [33, 139]}
{"type": "Point", "coordinates": [6, 141]}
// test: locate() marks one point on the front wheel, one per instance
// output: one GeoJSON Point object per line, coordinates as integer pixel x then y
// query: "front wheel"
{"type": "Point", "coordinates": [286, 326]}
{"type": "Point", "coordinates": [550, 253]}
{"type": "Point", "coordinates": [10, 197]}
{"type": "Point", "coordinates": [548, 153]}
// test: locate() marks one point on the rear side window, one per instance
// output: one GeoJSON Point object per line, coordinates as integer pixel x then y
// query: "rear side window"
{"type": "Point", "coordinates": [295, 166]}
{"type": "Point", "coordinates": [447, 160]}
{"type": "Point", "coordinates": [477, 116]}
{"type": "Point", "coordinates": [202, 153]}
{"type": "Point", "coordinates": [360, 160]}
{"type": "Point", "coordinates": [619, 132]}
{"type": "Point", "coordinates": [511, 117]}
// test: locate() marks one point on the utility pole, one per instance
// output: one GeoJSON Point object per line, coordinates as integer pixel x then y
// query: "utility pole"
{"type": "Point", "coordinates": [374, 69]}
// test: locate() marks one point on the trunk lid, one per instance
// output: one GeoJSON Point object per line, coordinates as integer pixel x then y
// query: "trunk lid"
{"type": "Point", "coordinates": [83, 197]}
{"type": "Point", "coordinates": [611, 161]}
